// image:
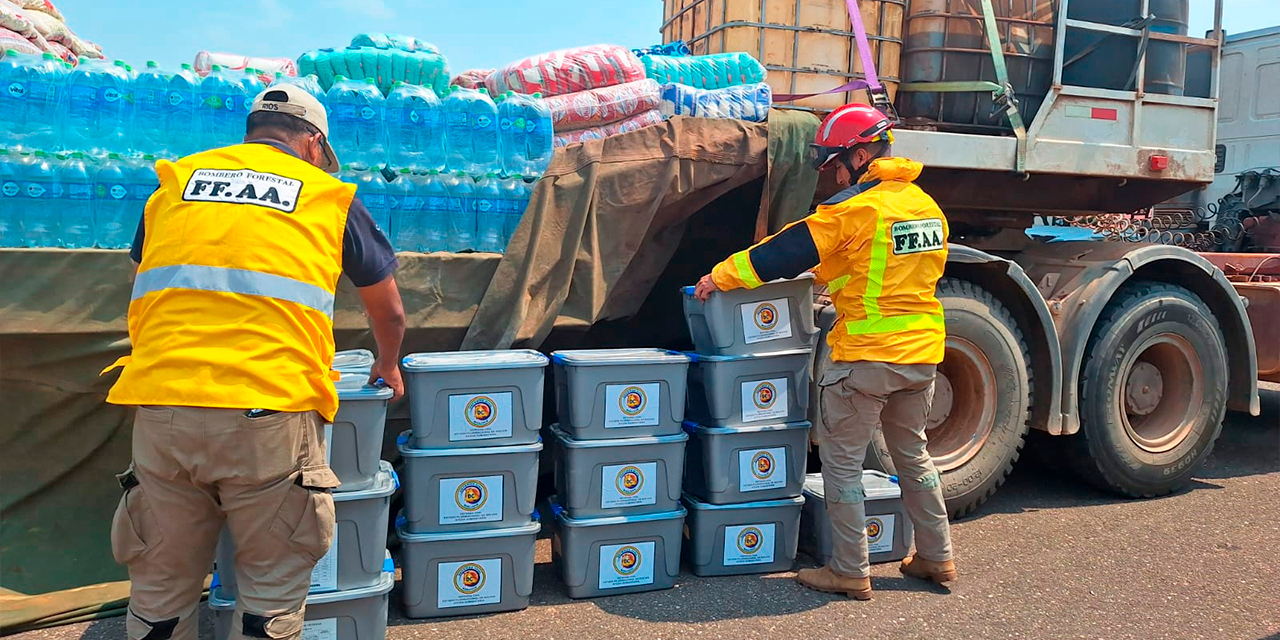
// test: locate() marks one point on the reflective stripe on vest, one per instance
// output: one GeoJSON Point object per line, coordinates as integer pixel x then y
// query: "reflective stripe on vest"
{"type": "Point", "coordinates": [875, 322]}
{"type": "Point", "coordinates": [242, 281]}
{"type": "Point", "coordinates": [746, 273]}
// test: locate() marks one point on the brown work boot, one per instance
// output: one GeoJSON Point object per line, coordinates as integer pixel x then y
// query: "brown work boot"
{"type": "Point", "coordinates": [827, 580]}
{"type": "Point", "coordinates": [937, 572]}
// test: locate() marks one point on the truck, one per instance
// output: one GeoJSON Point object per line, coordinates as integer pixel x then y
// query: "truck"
{"type": "Point", "coordinates": [1120, 353]}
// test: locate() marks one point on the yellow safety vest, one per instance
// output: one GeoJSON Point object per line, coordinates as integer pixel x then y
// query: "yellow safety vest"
{"type": "Point", "coordinates": [233, 304]}
{"type": "Point", "coordinates": [882, 253]}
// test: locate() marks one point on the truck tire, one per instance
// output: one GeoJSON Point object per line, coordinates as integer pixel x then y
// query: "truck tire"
{"type": "Point", "coordinates": [1152, 391]}
{"type": "Point", "coordinates": [982, 399]}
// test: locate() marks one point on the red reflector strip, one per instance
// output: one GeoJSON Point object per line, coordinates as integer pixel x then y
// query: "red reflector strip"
{"type": "Point", "coordinates": [1105, 114]}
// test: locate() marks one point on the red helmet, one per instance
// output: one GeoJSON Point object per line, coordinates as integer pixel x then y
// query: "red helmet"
{"type": "Point", "coordinates": [846, 127]}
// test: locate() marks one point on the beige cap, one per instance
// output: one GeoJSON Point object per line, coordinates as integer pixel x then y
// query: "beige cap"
{"type": "Point", "coordinates": [298, 103]}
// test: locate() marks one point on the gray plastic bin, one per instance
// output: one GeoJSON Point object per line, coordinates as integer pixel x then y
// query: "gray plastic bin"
{"type": "Point", "coordinates": [469, 399]}
{"type": "Point", "coordinates": [450, 490]}
{"type": "Point", "coordinates": [354, 561]}
{"type": "Point", "coordinates": [772, 317]}
{"type": "Point", "coordinates": [762, 388]}
{"type": "Point", "coordinates": [617, 555]}
{"type": "Point", "coordinates": [737, 539]}
{"type": "Point", "coordinates": [358, 614]}
{"type": "Point", "coordinates": [353, 360]}
{"type": "Point", "coordinates": [746, 464]}
{"type": "Point", "coordinates": [620, 393]}
{"type": "Point", "coordinates": [628, 476]}
{"type": "Point", "coordinates": [464, 573]}
{"type": "Point", "coordinates": [354, 439]}
{"type": "Point", "coordinates": [889, 531]}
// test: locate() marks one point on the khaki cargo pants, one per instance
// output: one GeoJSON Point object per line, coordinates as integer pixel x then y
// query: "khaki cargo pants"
{"type": "Point", "coordinates": [194, 468]}
{"type": "Point", "coordinates": [857, 398]}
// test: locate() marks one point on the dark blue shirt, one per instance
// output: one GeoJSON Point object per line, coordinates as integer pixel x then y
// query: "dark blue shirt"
{"type": "Point", "coordinates": [367, 257]}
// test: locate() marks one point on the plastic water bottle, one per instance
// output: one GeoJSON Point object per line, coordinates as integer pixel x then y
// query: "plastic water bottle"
{"type": "Point", "coordinates": [539, 136]}
{"type": "Point", "coordinates": [45, 102]}
{"type": "Point", "coordinates": [97, 108]}
{"type": "Point", "coordinates": [151, 110]}
{"type": "Point", "coordinates": [356, 122]}
{"type": "Point", "coordinates": [406, 212]}
{"type": "Point", "coordinates": [513, 203]}
{"type": "Point", "coordinates": [484, 132]}
{"type": "Point", "coordinates": [414, 128]}
{"type": "Point", "coordinates": [40, 189]}
{"type": "Point", "coordinates": [435, 212]}
{"type": "Point", "coordinates": [490, 222]}
{"type": "Point", "coordinates": [252, 87]}
{"type": "Point", "coordinates": [462, 212]}
{"type": "Point", "coordinates": [511, 132]}
{"type": "Point", "coordinates": [10, 216]}
{"type": "Point", "coordinates": [111, 204]}
{"type": "Point", "coordinates": [310, 83]}
{"type": "Point", "coordinates": [219, 97]}
{"type": "Point", "coordinates": [141, 176]}
{"type": "Point", "coordinates": [76, 205]}
{"type": "Point", "coordinates": [182, 127]}
{"type": "Point", "coordinates": [371, 191]}
{"type": "Point", "coordinates": [14, 69]}
{"type": "Point", "coordinates": [457, 129]}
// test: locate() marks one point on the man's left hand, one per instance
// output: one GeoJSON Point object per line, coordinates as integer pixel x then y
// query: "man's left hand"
{"type": "Point", "coordinates": [706, 286]}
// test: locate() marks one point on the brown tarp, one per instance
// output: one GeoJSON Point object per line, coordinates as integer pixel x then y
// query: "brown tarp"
{"type": "Point", "coordinates": [601, 229]}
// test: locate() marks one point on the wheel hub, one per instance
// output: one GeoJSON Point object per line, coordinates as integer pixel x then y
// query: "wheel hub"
{"type": "Point", "coordinates": [1144, 389]}
{"type": "Point", "coordinates": [943, 399]}
{"type": "Point", "coordinates": [964, 405]}
{"type": "Point", "coordinates": [1163, 392]}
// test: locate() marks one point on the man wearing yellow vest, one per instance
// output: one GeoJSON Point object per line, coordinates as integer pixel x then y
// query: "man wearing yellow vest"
{"type": "Point", "coordinates": [240, 249]}
{"type": "Point", "coordinates": [880, 247]}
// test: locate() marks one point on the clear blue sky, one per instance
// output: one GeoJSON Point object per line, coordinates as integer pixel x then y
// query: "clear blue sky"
{"type": "Point", "coordinates": [471, 33]}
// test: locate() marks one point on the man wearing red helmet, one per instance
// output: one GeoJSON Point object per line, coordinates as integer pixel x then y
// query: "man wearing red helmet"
{"type": "Point", "coordinates": [880, 247]}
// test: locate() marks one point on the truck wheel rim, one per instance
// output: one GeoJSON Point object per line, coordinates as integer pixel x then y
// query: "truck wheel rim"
{"type": "Point", "coordinates": [1162, 393]}
{"type": "Point", "coordinates": [967, 420]}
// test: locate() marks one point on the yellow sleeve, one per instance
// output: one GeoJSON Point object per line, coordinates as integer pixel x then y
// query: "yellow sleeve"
{"type": "Point", "coordinates": [798, 247]}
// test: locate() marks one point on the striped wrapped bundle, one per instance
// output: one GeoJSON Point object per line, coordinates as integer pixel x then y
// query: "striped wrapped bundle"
{"type": "Point", "coordinates": [568, 71]}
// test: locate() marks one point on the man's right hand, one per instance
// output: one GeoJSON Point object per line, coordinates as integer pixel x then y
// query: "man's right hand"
{"type": "Point", "coordinates": [390, 376]}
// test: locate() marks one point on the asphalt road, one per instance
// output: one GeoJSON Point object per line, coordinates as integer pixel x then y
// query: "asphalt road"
{"type": "Point", "coordinates": [1045, 558]}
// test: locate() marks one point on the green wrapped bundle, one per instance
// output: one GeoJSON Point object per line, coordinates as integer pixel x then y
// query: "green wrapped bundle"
{"type": "Point", "coordinates": [385, 66]}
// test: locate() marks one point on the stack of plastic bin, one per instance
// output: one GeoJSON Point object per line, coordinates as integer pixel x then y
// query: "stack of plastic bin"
{"type": "Point", "coordinates": [351, 584]}
{"type": "Point", "coordinates": [748, 403]}
{"type": "Point", "coordinates": [471, 477]}
{"type": "Point", "coordinates": [619, 459]}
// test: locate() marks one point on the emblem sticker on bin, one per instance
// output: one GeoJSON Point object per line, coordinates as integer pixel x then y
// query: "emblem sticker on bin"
{"type": "Point", "coordinates": [626, 565]}
{"type": "Point", "coordinates": [761, 469]}
{"type": "Point", "coordinates": [632, 405]}
{"type": "Point", "coordinates": [482, 416]}
{"type": "Point", "coordinates": [765, 321]}
{"type": "Point", "coordinates": [467, 500]}
{"type": "Point", "coordinates": [764, 400]}
{"type": "Point", "coordinates": [748, 544]}
{"type": "Point", "coordinates": [469, 584]}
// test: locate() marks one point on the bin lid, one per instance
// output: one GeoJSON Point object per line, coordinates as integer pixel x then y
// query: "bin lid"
{"type": "Point", "coordinates": [617, 357]}
{"type": "Point", "coordinates": [384, 484]}
{"type": "Point", "coordinates": [473, 360]}
{"type": "Point", "coordinates": [353, 360]}
{"type": "Point", "coordinates": [694, 503]}
{"type": "Point", "coordinates": [688, 290]}
{"type": "Point", "coordinates": [699, 357]}
{"type": "Point", "coordinates": [406, 451]}
{"type": "Point", "coordinates": [693, 427]}
{"type": "Point", "coordinates": [352, 385]}
{"type": "Point", "coordinates": [220, 601]}
{"type": "Point", "coordinates": [877, 485]}
{"type": "Point", "coordinates": [562, 516]}
{"type": "Point", "coordinates": [532, 528]}
{"type": "Point", "coordinates": [569, 442]}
